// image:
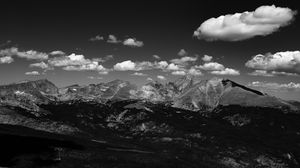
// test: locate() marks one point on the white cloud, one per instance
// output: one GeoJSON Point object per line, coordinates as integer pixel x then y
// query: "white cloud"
{"type": "Point", "coordinates": [113, 39]}
{"type": "Point", "coordinates": [75, 62]}
{"type": "Point", "coordinates": [30, 54]}
{"type": "Point", "coordinates": [104, 72]}
{"type": "Point", "coordinates": [57, 53]}
{"type": "Point", "coordinates": [226, 71]}
{"type": "Point", "coordinates": [41, 65]}
{"type": "Point", "coordinates": [97, 38]}
{"type": "Point", "coordinates": [93, 66]}
{"type": "Point", "coordinates": [132, 42]}
{"type": "Point", "coordinates": [6, 60]}
{"type": "Point", "coordinates": [93, 77]}
{"type": "Point", "coordinates": [240, 26]}
{"type": "Point", "coordinates": [184, 60]}
{"type": "Point", "coordinates": [211, 66]}
{"type": "Point", "coordinates": [182, 53]}
{"type": "Point", "coordinates": [261, 73]}
{"type": "Point", "coordinates": [283, 73]}
{"type": "Point", "coordinates": [180, 73]}
{"type": "Point", "coordinates": [161, 64]}
{"type": "Point", "coordinates": [194, 71]}
{"type": "Point", "coordinates": [139, 74]}
{"type": "Point", "coordinates": [139, 66]}
{"type": "Point", "coordinates": [173, 67]}
{"type": "Point", "coordinates": [32, 73]}
{"type": "Point", "coordinates": [281, 62]}
{"type": "Point", "coordinates": [156, 57]}
{"type": "Point", "coordinates": [161, 77]}
{"type": "Point", "coordinates": [125, 66]}
{"type": "Point", "coordinates": [98, 60]}
{"type": "Point", "coordinates": [271, 73]}
{"type": "Point", "coordinates": [206, 58]}
{"type": "Point", "coordinates": [70, 60]}
{"type": "Point", "coordinates": [276, 86]}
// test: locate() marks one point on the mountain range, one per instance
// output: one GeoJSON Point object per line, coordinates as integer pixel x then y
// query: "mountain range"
{"type": "Point", "coordinates": [187, 92]}
{"type": "Point", "coordinates": [186, 123]}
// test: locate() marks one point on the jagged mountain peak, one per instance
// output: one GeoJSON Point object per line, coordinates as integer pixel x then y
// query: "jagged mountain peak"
{"type": "Point", "coordinates": [217, 91]}
{"type": "Point", "coordinates": [184, 82]}
{"type": "Point", "coordinates": [230, 83]}
{"type": "Point", "coordinates": [43, 85]}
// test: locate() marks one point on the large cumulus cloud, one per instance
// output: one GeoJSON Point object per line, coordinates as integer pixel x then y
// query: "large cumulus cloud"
{"type": "Point", "coordinates": [287, 62]}
{"type": "Point", "coordinates": [240, 26]}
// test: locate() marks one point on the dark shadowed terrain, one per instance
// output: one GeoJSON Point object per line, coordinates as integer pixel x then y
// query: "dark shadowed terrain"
{"type": "Point", "coordinates": [187, 123]}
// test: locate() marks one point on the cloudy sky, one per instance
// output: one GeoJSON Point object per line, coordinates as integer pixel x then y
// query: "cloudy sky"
{"type": "Point", "coordinates": [255, 43]}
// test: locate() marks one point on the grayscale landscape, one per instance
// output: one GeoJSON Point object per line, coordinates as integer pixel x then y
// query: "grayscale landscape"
{"type": "Point", "coordinates": [150, 84]}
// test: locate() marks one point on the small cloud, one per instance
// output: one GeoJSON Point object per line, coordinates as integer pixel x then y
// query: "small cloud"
{"type": "Point", "coordinates": [125, 66]}
{"type": "Point", "coordinates": [207, 58]}
{"type": "Point", "coordinates": [216, 69]}
{"type": "Point", "coordinates": [94, 66]}
{"type": "Point", "coordinates": [261, 73]}
{"type": "Point", "coordinates": [273, 86]}
{"type": "Point", "coordinates": [96, 38]}
{"type": "Point", "coordinates": [271, 73]}
{"type": "Point", "coordinates": [156, 57]}
{"type": "Point", "coordinates": [173, 67]}
{"type": "Point", "coordinates": [132, 42]}
{"type": "Point", "coordinates": [161, 77]}
{"type": "Point", "coordinates": [180, 73]}
{"type": "Point", "coordinates": [113, 39]}
{"type": "Point", "coordinates": [195, 72]}
{"type": "Point", "coordinates": [161, 64]}
{"type": "Point", "coordinates": [226, 71]}
{"type": "Point", "coordinates": [211, 66]}
{"type": "Point", "coordinates": [184, 60]}
{"type": "Point", "coordinates": [6, 60]}
{"type": "Point", "coordinates": [139, 66]}
{"type": "Point", "coordinates": [139, 74]}
{"type": "Point", "coordinates": [30, 54]}
{"type": "Point", "coordinates": [104, 72]}
{"type": "Point", "coordinates": [182, 53]}
{"type": "Point", "coordinates": [93, 77]}
{"type": "Point", "coordinates": [57, 53]}
{"type": "Point", "coordinates": [35, 73]}
{"type": "Point", "coordinates": [98, 60]}
{"type": "Point", "coordinates": [41, 65]}
{"type": "Point", "coordinates": [263, 21]}
{"type": "Point", "coordinates": [75, 62]}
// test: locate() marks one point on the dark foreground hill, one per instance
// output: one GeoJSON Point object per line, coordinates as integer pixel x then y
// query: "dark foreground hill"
{"type": "Point", "coordinates": [187, 123]}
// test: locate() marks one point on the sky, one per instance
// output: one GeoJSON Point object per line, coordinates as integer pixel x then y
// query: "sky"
{"type": "Point", "coordinates": [254, 43]}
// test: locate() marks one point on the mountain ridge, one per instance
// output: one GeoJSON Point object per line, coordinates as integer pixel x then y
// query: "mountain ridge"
{"type": "Point", "coordinates": [187, 92]}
